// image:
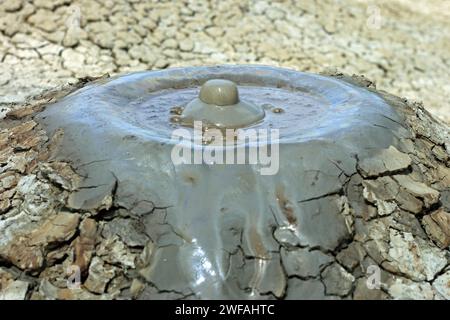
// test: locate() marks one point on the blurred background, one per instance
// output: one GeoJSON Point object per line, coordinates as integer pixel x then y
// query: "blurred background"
{"type": "Point", "coordinates": [403, 45]}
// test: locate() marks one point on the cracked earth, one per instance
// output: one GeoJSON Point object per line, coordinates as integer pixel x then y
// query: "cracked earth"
{"type": "Point", "coordinates": [402, 45]}
{"type": "Point", "coordinates": [394, 210]}
{"type": "Point", "coordinates": [396, 206]}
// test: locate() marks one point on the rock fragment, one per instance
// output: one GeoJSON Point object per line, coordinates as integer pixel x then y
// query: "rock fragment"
{"type": "Point", "coordinates": [59, 228]}
{"type": "Point", "coordinates": [388, 192]}
{"type": "Point", "coordinates": [406, 222]}
{"type": "Point", "coordinates": [100, 275]}
{"type": "Point", "coordinates": [405, 289]}
{"type": "Point", "coordinates": [27, 251]}
{"type": "Point", "coordinates": [5, 205]}
{"type": "Point", "coordinates": [337, 280]}
{"type": "Point", "coordinates": [84, 244]}
{"type": "Point", "coordinates": [19, 113]}
{"type": "Point", "coordinates": [16, 290]}
{"type": "Point", "coordinates": [351, 256]}
{"type": "Point", "coordinates": [361, 207]}
{"type": "Point", "coordinates": [286, 237]}
{"type": "Point", "coordinates": [136, 288]}
{"type": "Point", "coordinates": [442, 285]}
{"type": "Point", "coordinates": [428, 195]}
{"type": "Point", "coordinates": [115, 252]}
{"type": "Point", "coordinates": [364, 292]}
{"type": "Point", "coordinates": [382, 193]}
{"type": "Point", "coordinates": [384, 161]}
{"type": "Point", "coordinates": [8, 180]}
{"type": "Point", "coordinates": [51, 292]}
{"type": "Point", "coordinates": [130, 231]}
{"type": "Point", "coordinates": [61, 174]}
{"type": "Point", "coordinates": [437, 226]}
{"type": "Point", "coordinates": [414, 256]}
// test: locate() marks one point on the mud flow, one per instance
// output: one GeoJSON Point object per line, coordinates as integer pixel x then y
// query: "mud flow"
{"type": "Point", "coordinates": [226, 230]}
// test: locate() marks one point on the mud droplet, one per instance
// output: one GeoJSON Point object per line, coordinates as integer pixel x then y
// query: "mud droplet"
{"type": "Point", "coordinates": [130, 137]}
{"type": "Point", "coordinates": [176, 110]}
{"type": "Point", "coordinates": [277, 110]}
{"type": "Point", "coordinates": [175, 119]}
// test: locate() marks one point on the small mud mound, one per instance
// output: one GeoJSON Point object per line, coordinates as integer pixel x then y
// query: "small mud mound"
{"type": "Point", "coordinates": [362, 186]}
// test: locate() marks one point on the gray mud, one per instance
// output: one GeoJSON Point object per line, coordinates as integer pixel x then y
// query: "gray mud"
{"type": "Point", "coordinates": [226, 231]}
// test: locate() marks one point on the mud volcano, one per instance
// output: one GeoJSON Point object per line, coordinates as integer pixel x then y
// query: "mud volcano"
{"type": "Point", "coordinates": [345, 188]}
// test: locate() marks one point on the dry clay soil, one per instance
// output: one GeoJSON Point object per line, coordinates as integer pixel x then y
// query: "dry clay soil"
{"type": "Point", "coordinates": [398, 212]}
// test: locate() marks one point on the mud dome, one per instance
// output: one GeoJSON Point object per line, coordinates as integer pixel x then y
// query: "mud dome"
{"type": "Point", "coordinates": [226, 231]}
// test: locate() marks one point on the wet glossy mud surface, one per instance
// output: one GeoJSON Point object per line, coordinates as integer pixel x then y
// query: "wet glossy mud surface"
{"type": "Point", "coordinates": [226, 231]}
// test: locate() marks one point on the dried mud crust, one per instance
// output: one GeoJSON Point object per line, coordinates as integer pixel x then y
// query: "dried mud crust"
{"type": "Point", "coordinates": [396, 205]}
{"type": "Point", "coordinates": [400, 44]}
